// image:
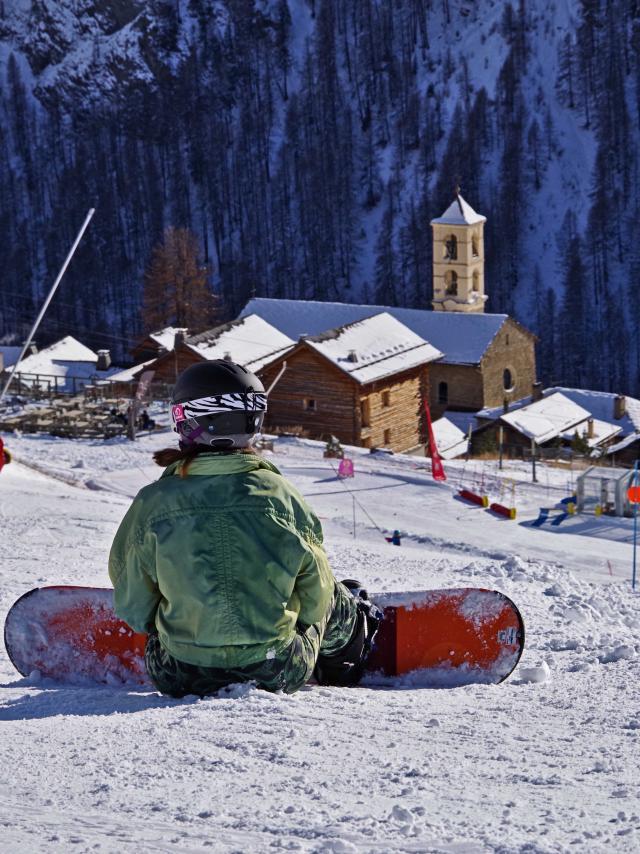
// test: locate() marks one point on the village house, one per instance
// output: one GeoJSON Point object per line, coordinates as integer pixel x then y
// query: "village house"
{"type": "Point", "coordinates": [554, 418]}
{"type": "Point", "coordinates": [66, 365]}
{"type": "Point", "coordinates": [250, 341]}
{"type": "Point", "coordinates": [364, 382]}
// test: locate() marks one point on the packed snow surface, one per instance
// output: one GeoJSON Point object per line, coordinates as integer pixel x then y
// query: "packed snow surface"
{"type": "Point", "coordinates": [545, 762]}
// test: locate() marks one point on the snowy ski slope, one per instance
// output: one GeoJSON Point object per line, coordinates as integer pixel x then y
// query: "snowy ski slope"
{"type": "Point", "coordinates": [546, 762]}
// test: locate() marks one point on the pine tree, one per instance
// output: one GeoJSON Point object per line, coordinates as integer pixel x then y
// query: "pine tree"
{"type": "Point", "coordinates": [176, 289]}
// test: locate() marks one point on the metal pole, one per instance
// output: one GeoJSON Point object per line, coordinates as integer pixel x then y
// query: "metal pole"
{"type": "Point", "coordinates": [131, 420]}
{"type": "Point", "coordinates": [533, 461]}
{"type": "Point", "coordinates": [500, 441]}
{"type": "Point", "coordinates": [48, 299]}
{"type": "Point", "coordinates": [635, 526]}
{"type": "Point", "coordinates": [280, 373]}
{"type": "Point", "coordinates": [354, 515]}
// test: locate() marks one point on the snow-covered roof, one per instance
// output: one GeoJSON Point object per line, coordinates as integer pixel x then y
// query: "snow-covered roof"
{"type": "Point", "coordinates": [547, 418]}
{"type": "Point", "coordinates": [462, 338]}
{"type": "Point", "coordinates": [601, 405]}
{"type": "Point", "coordinates": [602, 431]}
{"type": "Point", "coordinates": [459, 212]}
{"type": "Point", "coordinates": [373, 348]}
{"type": "Point", "coordinates": [450, 441]}
{"type": "Point", "coordinates": [249, 341]}
{"type": "Point", "coordinates": [623, 443]}
{"type": "Point", "coordinates": [462, 420]}
{"type": "Point", "coordinates": [67, 358]}
{"type": "Point", "coordinates": [166, 337]}
{"type": "Point", "coordinates": [128, 374]}
{"type": "Point", "coordinates": [67, 352]}
{"type": "Point", "coordinates": [492, 413]}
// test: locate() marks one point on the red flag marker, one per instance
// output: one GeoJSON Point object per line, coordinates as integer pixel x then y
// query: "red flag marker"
{"type": "Point", "coordinates": [436, 463]}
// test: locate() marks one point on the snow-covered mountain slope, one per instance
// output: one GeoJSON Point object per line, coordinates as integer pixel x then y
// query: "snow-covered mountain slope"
{"type": "Point", "coordinates": [308, 144]}
{"type": "Point", "coordinates": [535, 766]}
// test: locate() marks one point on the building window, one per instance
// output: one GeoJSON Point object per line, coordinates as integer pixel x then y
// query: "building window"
{"type": "Point", "coordinates": [507, 380]}
{"type": "Point", "coordinates": [365, 414]}
{"type": "Point", "coordinates": [475, 246]}
{"type": "Point", "coordinates": [386, 398]}
{"type": "Point", "coordinates": [309, 404]}
{"type": "Point", "coordinates": [451, 283]}
{"type": "Point", "coordinates": [451, 248]}
{"type": "Point", "coordinates": [387, 437]}
{"type": "Point", "coordinates": [476, 281]}
{"type": "Point", "coordinates": [443, 392]}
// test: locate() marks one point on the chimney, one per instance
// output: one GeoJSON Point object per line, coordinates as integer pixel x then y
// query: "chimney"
{"type": "Point", "coordinates": [590, 429]}
{"type": "Point", "coordinates": [353, 356]}
{"type": "Point", "coordinates": [104, 360]}
{"type": "Point", "coordinates": [619, 406]}
{"type": "Point", "coordinates": [536, 392]}
{"type": "Point", "coordinates": [178, 338]}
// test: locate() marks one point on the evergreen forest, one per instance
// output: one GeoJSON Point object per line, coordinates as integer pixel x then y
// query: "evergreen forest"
{"type": "Point", "coordinates": [307, 144]}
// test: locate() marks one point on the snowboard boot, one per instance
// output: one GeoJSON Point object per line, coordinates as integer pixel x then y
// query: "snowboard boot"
{"type": "Point", "coordinates": [347, 666]}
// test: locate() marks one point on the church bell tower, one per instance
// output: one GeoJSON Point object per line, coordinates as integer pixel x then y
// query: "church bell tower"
{"type": "Point", "coordinates": [458, 258]}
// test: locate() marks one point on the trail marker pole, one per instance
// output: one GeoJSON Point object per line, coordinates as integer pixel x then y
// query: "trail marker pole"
{"type": "Point", "coordinates": [533, 461]}
{"type": "Point", "coordinates": [353, 502]}
{"type": "Point", "coordinates": [48, 299]}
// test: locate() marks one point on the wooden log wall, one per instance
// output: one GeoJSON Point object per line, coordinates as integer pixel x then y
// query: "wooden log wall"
{"type": "Point", "coordinates": [308, 377]}
{"type": "Point", "coordinates": [395, 407]}
{"type": "Point", "coordinates": [168, 366]}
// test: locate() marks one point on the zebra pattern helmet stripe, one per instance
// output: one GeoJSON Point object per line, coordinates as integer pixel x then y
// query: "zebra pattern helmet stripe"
{"type": "Point", "coordinates": [232, 402]}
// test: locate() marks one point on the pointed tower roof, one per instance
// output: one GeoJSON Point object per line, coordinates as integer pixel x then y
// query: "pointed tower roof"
{"type": "Point", "coordinates": [459, 212]}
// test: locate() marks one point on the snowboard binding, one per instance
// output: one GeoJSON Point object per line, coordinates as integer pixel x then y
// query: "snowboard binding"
{"type": "Point", "coordinates": [347, 666]}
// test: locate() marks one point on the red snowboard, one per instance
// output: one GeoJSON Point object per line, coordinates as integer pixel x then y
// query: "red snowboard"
{"type": "Point", "coordinates": [448, 637]}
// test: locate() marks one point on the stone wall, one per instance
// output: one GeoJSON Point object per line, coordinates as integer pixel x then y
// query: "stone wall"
{"type": "Point", "coordinates": [513, 348]}
{"type": "Point", "coordinates": [464, 384]}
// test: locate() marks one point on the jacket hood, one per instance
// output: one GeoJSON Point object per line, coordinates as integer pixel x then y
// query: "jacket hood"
{"type": "Point", "coordinates": [213, 464]}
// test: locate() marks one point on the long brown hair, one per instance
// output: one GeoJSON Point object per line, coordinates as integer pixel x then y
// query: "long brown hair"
{"type": "Point", "coordinates": [166, 456]}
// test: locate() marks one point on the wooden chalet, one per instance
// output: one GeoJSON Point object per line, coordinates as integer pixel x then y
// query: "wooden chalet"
{"type": "Point", "coordinates": [364, 383]}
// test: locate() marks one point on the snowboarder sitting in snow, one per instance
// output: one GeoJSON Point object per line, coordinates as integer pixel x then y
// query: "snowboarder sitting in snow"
{"type": "Point", "coordinates": [221, 560]}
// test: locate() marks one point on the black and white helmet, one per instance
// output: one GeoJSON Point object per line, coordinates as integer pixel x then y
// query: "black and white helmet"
{"type": "Point", "coordinates": [217, 403]}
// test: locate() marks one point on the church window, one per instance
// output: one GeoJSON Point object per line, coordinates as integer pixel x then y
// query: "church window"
{"type": "Point", "coordinates": [443, 392]}
{"type": "Point", "coordinates": [475, 246]}
{"type": "Point", "coordinates": [476, 281]}
{"type": "Point", "coordinates": [451, 248]}
{"type": "Point", "coordinates": [451, 283]}
{"type": "Point", "coordinates": [507, 380]}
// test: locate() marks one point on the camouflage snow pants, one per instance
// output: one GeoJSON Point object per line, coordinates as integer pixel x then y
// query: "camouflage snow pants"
{"type": "Point", "coordinates": [287, 672]}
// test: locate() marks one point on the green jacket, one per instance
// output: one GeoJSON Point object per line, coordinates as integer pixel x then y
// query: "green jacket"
{"type": "Point", "coordinates": [223, 562]}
